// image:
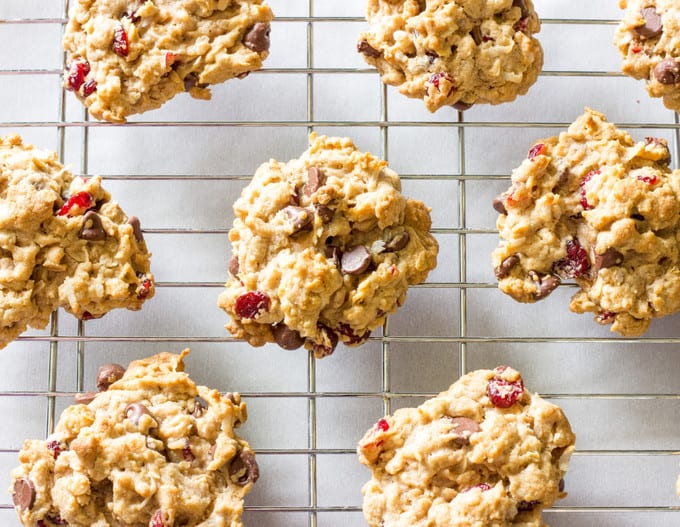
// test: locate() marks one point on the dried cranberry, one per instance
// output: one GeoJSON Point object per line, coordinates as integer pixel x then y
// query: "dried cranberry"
{"type": "Point", "coordinates": [582, 185]}
{"type": "Point", "coordinates": [650, 180]}
{"type": "Point", "coordinates": [77, 72]}
{"type": "Point", "coordinates": [55, 446]}
{"type": "Point", "coordinates": [251, 304]}
{"type": "Point", "coordinates": [187, 454]}
{"type": "Point", "coordinates": [347, 331]}
{"type": "Point", "coordinates": [502, 393]}
{"type": "Point", "coordinates": [81, 201]}
{"type": "Point", "coordinates": [606, 317]}
{"type": "Point", "coordinates": [157, 519]}
{"type": "Point", "coordinates": [89, 88]}
{"type": "Point", "coordinates": [537, 150]}
{"type": "Point", "coordinates": [482, 486]}
{"type": "Point", "coordinates": [575, 264]}
{"type": "Point", "coordinates": [382, 425]}
{"type": "Point", "coordinates": [121, 44]}
{"type": "Point", "coordinates": [145, 288]}
{"type": "Point", "coordinates": [436, 78]}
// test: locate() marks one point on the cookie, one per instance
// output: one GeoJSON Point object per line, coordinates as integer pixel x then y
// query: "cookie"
{"type": "Point", "coordinates": [130, 56]}
{"type": "Point", "coordinates": [325, 247]}
{"type": "Point", "coordinates": [648, 39]}
{"type": "Point", "coordinates": [483, 453]}
{"type": "Point", "coordinates": [63, 243]}
{"type": "Point", "coordinates": [153, 449]}
{"type": "Point", "coordinates": [454, 52]}
{"type": "Point", "coordinates": [594, 206]}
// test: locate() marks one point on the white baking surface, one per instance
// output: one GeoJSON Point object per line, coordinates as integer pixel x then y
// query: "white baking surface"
{"type": "Point", "coordinates": [189, 161]}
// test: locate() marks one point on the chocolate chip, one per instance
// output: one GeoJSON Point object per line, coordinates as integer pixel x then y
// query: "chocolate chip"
{"type": "Point", "coordinates": [23, 495]}
{"type": "Point", "coordinates": [365, 48]}
{"type": "Point", "coordinates": [233, 266]}
{"type": "Point", "coordinates": [135, 411]}
{"type": "Point", "coordinates": [190, 81]}
{"type": "Point", "coordinates": [561, 485]}
{"type": "Point", "coordinates": [85, 397]}
{"type": "Point", "coordinates": [333, 253]}
{"type": "Point", "coordinates": [136, 228]}
{"type": "Point", "coordinates": [462, 106]}
{"type": "Point", "coordinates": [527, 505]}
{"type": "Point", "coordinates": [522, 5]}
{"type": "Point", "coordinates": [397, 242]}
{"type": "Point", "coordinates": [315, 180]}
{"type": "Point", "coordinates": [464, 428]}
{"type": "Point", "coordinates": [243, 468]}
{"type": "Point", "coordinates": [257, 37]}
{"type": "Point", "coordinates": [301, 219]}
{"type": "Point", "coordinates": [609, 258]}
{"type": "Point", "coordinates": [108, 374]}
{"type": "Point", "coordinates": [200, 406]}
{"type": "Point", "coordinates": [476, 35]}
{"type": "Point", "coordinates": [356, 260]}
{"type": "Point", "coordinates": [667, 71]}
{"type": "Point", "coordinates": [287, 338]}
{"type": "Point", "coordinates": [499, 204]}
{"type": "Point", "coordinates": [325, 213]}
{"type": "Point", "coordinates": [652, 27]}
{"type": "Point", "coordinates": [546, 285]}
{"type": "Point", "coordinates": [506, 266]}
{"type": "Point", "coordinates": [92, 229]}
{"type": "Point", "coordinates": [329, 340]}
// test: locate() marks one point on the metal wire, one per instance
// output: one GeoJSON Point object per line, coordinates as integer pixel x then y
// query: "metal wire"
{"type": "Point", "coordinates": [387, 395]}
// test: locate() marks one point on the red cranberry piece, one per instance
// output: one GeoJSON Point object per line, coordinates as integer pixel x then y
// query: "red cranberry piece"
{"type": "Point", "coordinates": [56, 447]}
{"type": "Point", "coordinates": [121, 45]}
{"type": "Point", "coordinates": [582, 185]}
{"type": "Point", "coordinates": [157, 519]}
{"type": "Point", "coordinates": [382, 425]}
{"type": "Point", "coordinates": [77, 72]}
{"type": "Point", "coordinates": [537, 150]}
{"type": "Point", "coordinates": [56, 520]}
{"type": "Point", "coordinates": [329, 340]}
{"type": "Point", "coordinates": [436, 78]}
{"type": "Point", "coordinates": [81, 201]}
{"type": "Point", "coordinates": [144, 288]}
{"type": "Point", "coordinates": [650, 180]}
{"type": "Point", "coordinates": [575, 264]}
{"type": "Point", "coordinates": [251, 304]}
{"type": "Point", "coordinates": [606, 317]}
{"type": "Point", "coordinates": [89, 88]}
{"type": "Point", "coordinates": [482, 486]}
{"type": "Point", "coordinates": [347, 331]}
{"type": "Point", "coordinates": [502, 393]}
{"type": "Point", "coordinates": [187, 454]}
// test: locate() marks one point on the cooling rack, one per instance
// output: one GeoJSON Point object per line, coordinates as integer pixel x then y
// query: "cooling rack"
{"type": "Point", "coordinates": [181, 167]}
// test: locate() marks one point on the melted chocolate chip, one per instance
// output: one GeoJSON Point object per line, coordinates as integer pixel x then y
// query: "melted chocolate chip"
{"type": "Point", "coordinates": [609, 258]}
{"type": "Point", "coordinates": [315, 180]}
{"type": "Point", "coordinates": [667, 72]}
{"type": "Point", "coordinates": [325, 213]}
{"type": "Point", "coordinates": [92, 229]}
{"type": "Point", "coordinates": [527, 505]}
{"type": "Point", "coordinates": [243, 468]}
{"type": "Point", "coordinates": [506, 266]}
{"type": "Point", "coordinates": [464, 427]}
{"type": "Point", "coordinates": [365, 48]}
{"type": "Point", "coordinates": [546, 285]}
{"type": "Point", "coordinates": [135, 411]}
{"type": "Point", "coordinates": [652, 27]}
{"type": "Point", "coordinates": [23, 494]}
{"type": "Point", "coordinates": [287, 338]}
{"type": "Point", "coordinates": [397, 242]}
{"type": "Point", "coordinates": [257, 38]}
{"type": "Point", "coordinates": [108, 374]}
{"type": "Point", "coordinates": [300, 219]}
{"type": "Point", "coordinates": [136, 228]}
{"type": "Point", "coordinates": [356, 260]}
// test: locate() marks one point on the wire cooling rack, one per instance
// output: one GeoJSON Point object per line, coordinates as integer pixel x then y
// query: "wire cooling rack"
{"type": "Point", "coordinates": [181, 167]}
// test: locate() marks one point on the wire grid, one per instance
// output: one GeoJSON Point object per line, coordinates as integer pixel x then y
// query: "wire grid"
{"type": "Point", "coordinates": [628, 466]}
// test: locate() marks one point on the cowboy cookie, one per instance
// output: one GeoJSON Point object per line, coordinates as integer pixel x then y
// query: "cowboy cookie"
{"type": "Point", "coordinates": [325, 247]}
{"type": "Point", "coordinates": [594, 206]}
{"type": "Point", "coordinates": [130, 56]}
{"type": "Point", "coordinates": [454, 52]}
{"type": "Point", "coordinates": [152, 449]}
{"type": "Point", "coordinates": [63, 243]}
{"type": "Point", "coordinates": [648, 39]}
{"type": "Point", "coordinates": [483, 453]}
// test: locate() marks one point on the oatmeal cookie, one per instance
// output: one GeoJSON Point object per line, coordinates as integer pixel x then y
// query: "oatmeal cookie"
{"type": "Point", "coordinates": [594, 206]}
{"type": "Point", "coordinates": [151, 449]}
{"type": "Point", "coordinates": [131, 56]}
{"type": "Point", "coordinates": [648, 39]}
{"type": "Point", "coordinates": [454, 52]}
{"type": "Point", "coordinates": [483, 453]}
{"type": "Point", "coordinates": [63, 243]}
{"type": "Point", "coordinates": [325, 247]}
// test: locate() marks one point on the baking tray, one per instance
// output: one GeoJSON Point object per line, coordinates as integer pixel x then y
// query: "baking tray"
{"type": "Point", "coordinates": [181, 167]}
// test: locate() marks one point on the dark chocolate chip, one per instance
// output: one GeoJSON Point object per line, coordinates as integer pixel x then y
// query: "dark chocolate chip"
{"type": "Point", "coordinates": [365, 48]}
{"type": "Point", "coordinates": [200, 406]}
{"type": "Point", "coordinates": [464, 428]}
{"type": "Point", "coordinates": [136, 228]}
{"type": "Point", "coordinates": [356, 260]}
{"type": "Point", "coordinates": [257, 37]}
{"type": "Point", "coordinates": [85, 397]}
{"type": "Point", "coordinates": [92, 229]}
{"type": "Point", "coordinates": [462, 106]}
{"type": "Point", "coordinates": [233, 266]}
{"type": "Point", "coordinates": [397, 242]}
{"type": "Point", "coordinates": [23, 494]}
{"type": "Point", "coordinates": [287, 338]}
{"type": "Point", "coordinates": [325, 213]}
{"type": "Point", "coordinates": [527, 505]}
{"type": "Point", "coordinates": [243, 468]}
{"type": "Point", "coordinates": [315, 180]}
{"type": "Point", "coordinates": [667, 72]}
{"type": "Point", "coordinates": [108, 374]}
{"type": "Point", "coordinates": [499, 204]}
{"type": "Point", "coordinates": [652, 27]}
{"type": "Point", "coordinates": [546, 285]}
{"type": "Point", "coordinates": [190, 81]}
{"type": "Point", "coordinates": [561, 485]}
{"type": "Point", "coordinates": [301, 219]}
{"type": "Point", "coordinates": [135, 411]}
{"type": "Point", "coordinates": [506, 266]}
{"type": "Point", "coordinates": [609, 258]}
